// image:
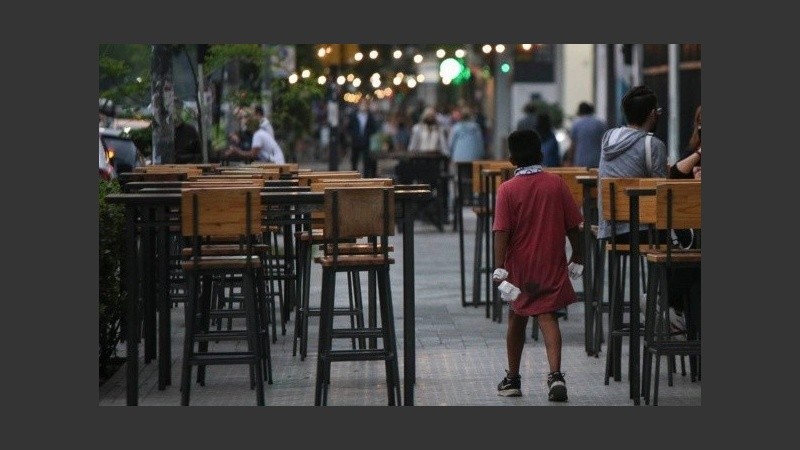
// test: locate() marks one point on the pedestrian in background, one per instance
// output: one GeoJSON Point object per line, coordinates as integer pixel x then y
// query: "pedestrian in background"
{"type": "Point", "coordinates": [187, 139]}
{"type": "Point", "coordinates": [427, 135]}
{"type": "Point", "coordinates": [362, 124]}
{"type": "Point", "coordinates": [550, 150]}
{"type": "Point", "coordinates": [586, 135]}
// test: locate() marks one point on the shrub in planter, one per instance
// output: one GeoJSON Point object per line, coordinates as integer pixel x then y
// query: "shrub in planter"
{"type": "Point", "coordinates": [111, 299]}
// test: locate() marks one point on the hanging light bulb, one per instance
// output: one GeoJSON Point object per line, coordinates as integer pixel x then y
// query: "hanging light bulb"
{"type": "Point", "coordinates": [460, 53]}
{"type": "Point", "coordinates": [487, 48]}
{"type": "Point", "coordinates": [358, 56]}
{"type": "Point", "coordinates": [321, 79]}
{"type": "Point", "coordinates": [397, 54]}
{"type": "Point", "coordinates": [373, 54]}
{"type": "Point", "coordinates": [340, 80]}
{"type": "Point", "coordinates": [418, 59]}
{"type": "Point", "coordinates": [293, 78]}
{"type": "Point", "coordinates": [527, 47]}
{"type": "Point", "coordinates": [306, 73]}
{"type": "Point", "coordinates": [499, 48]}
{"type": "Point", "coordinates": [440, 53]}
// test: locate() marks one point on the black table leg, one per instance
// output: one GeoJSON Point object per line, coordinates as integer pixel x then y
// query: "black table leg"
{"type": "Point", "coordinates": [163, 303]}
{"type": "Point", "coordinates": [634, 356]}
{"type": "Point", "coordinates": [149, 286]}
{"type": "Point", "coordinates": [409, 369]}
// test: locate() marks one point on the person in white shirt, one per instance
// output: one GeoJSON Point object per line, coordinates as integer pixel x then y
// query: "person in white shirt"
{"type": "Point", "coordinates": [264, 147]}
{"type": "Point", "coordinates": [428, 135]}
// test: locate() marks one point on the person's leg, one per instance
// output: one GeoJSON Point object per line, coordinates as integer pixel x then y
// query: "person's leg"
{"type": "Point", "coordinates": [515, 341]}
{"type": "Point", "coordinates": [548, 324]}
{"type": "Point", "coordinates": [370, 166]}
{"type": "Point", "coordinates": [355, 153]}
{"type": "Point", "coordinates": [551, 332]}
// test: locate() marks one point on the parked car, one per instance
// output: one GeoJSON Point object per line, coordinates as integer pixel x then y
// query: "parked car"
{"type": "Point", "coordinates": [121, 151]}
{"type": "Point", "coordinates": [107, 171]}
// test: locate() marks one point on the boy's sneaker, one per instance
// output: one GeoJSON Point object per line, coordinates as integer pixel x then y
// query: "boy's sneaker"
{"type": "Point", "coordinates": [557, 386]}
{"type": "Point", "coordinates": [509, 386]}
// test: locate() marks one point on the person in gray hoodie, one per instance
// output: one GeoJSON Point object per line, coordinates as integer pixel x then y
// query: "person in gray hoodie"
{"type": "Point", "coordinates": [624, 151]}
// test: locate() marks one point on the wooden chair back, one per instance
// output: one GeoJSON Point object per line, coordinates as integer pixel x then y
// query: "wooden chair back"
{"type": "Point", "coordinates": [356, 212]}
{"type": "Point", "coordinates": [222, 212]}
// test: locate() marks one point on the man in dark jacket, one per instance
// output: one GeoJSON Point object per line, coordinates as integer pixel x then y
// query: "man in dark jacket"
{"type": "Point", "coordinates": [187, 140]}
{"type": "Point", "coordinates": [361, 126]}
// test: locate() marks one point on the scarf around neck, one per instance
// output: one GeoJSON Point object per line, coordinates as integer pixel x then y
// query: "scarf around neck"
{"type": "Point", "coordinates": [528, 170]}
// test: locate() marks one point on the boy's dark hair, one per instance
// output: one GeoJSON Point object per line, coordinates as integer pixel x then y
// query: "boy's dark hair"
{"type": "Point", "coordinates": [525, 148]}
{"type": "Point", "coordinates": [259, 110]}
{"type": "Point", "coordinates": [584, 109]}
{"type": "Point", "coordinates": [638, 103]}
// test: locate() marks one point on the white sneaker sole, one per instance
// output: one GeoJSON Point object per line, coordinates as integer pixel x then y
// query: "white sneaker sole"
{"type": "Point", "coordinates": [510, 393]}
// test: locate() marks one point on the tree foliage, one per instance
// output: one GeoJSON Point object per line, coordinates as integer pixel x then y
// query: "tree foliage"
{"type": "Point", "coordinates": [125, 73]}
{"type": "Point", "coordinates": [112, 297]}
{"type": "Point", "coordinates": [220, 54]}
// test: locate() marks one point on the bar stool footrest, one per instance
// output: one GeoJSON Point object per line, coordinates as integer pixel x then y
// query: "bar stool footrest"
{"type": "Point", "coordinates": [359, 355]}
{"type": "Point", "coordinates": [357, 333]}
{"type": "Point", "coordinates": [208, 359]}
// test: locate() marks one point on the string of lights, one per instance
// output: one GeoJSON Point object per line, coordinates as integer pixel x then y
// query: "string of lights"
{"type": "Point", "coordinates": [453, 67]}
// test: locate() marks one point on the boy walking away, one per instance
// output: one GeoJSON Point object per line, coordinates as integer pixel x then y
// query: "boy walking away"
{"type": "Point", "coordinates": [534, 212]}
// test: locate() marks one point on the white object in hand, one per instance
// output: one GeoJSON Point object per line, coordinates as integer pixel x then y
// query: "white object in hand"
{"type": "Point", "coordinates": [508, 292]}
{"type": "Point", "coordinates": [575, 270]}
{"type": "Point", "coordinates": [500, 274]}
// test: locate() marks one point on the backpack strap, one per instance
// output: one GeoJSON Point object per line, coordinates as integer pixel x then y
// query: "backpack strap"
{"type": "Point", "coordinates": [648, 153]}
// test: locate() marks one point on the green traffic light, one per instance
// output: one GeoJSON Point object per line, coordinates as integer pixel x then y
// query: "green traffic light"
{"type": "Point", "coordinates": [505, 67]}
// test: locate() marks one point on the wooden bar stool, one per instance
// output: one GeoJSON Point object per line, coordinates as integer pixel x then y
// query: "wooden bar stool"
{"type": "Point", "coordinates": [226, 212]}
{"type": "Point", "coordinates": [617, 209]}
{"type": "Point", "coordinates": [375, 221]}
{"type": "Point", "coordinates": [464, 197]}
{"type": "Point", "coordinates": [483, 211]}
{"type": "Point", "coordinates": [355, 310]}
{"type": "Point", "coordinates": [678, 206]}
{"type": "Point", "coordinates": [305, 240]}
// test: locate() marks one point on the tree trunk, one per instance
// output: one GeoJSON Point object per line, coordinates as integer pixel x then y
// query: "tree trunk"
{"type": "Point", "coordinates": [163, 98]}
{"type": "Point", "coordinates": [266, 81]}
{"type": "Point", "coordinates": [230, 87]}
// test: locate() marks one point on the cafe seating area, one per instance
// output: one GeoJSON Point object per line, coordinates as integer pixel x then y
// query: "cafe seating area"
{"type": "Point", "coordinates": [278, 285]}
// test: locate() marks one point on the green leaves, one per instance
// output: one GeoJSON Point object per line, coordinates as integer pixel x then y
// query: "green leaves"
{"type": "Point", "coordinates": [111, 296]}
{"type": "Point", "coordinates": [221, 54]}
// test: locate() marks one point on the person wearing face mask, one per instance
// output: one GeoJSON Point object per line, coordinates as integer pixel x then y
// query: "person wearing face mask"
{"type": "Point", "coordinates": [624, 152]}
{"type": "Point", "coordinates": [428, 135]}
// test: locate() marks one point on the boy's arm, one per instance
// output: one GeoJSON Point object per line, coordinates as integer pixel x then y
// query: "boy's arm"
{"type": "Point", "coordinates": [576, 242]}
{"type": "Point", "coordinates": [500, 246]}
